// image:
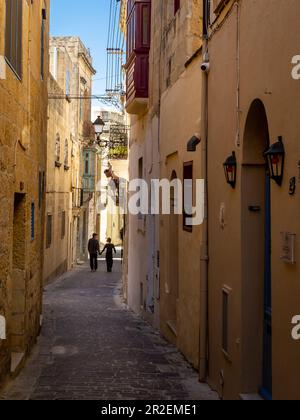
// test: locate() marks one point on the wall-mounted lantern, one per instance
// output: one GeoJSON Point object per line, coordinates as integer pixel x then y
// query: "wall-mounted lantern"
{"type": "Point", "coordinates": [230, 169]}
{"type": "Point", "coordinates": [275, 157]}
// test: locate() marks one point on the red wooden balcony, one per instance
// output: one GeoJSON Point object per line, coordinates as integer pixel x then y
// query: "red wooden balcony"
{"type": "Point", "coordinates": [138, 47]}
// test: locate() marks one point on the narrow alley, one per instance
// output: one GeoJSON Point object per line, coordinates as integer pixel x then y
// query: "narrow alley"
{"type": "Point", "coordinates": [162, 135]}
{"type": "Point", "coordinates": [92, 347]}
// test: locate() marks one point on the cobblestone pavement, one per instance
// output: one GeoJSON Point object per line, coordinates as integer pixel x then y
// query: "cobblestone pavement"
{"type": "Point", "coordinates": [93, 348]}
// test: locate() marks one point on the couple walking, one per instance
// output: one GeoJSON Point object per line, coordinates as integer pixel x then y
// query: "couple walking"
{"type": "Point", "coordinates": [94, 250]}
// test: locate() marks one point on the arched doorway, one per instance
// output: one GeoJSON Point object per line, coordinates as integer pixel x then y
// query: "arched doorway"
{"type": "Point", "coordinates": [173, 258]}
{"type": "Point", "coordinates": [256, 256]}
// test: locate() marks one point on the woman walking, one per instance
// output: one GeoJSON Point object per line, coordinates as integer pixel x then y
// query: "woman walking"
{"type": "Point", "coordinates": [109, 248]}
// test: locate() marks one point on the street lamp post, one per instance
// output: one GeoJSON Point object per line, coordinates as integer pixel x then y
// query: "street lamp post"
{"type": "Point", "coordinates": [99, 125]}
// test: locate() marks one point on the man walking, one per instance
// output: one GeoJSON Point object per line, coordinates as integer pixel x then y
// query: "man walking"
{"type": "Point", "coordinates": [94, 250]}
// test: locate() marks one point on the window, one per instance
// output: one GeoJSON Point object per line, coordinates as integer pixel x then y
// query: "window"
{"type": "Point", "coordinates": [87, 164]}
{"type": "Point", "coordinates": [32, 221]}
{"type": "Point", "coordinates": [66, 159]}
{"type": "Point", "coordinates": [176, 6]}
{"type": "Point", "coordinates": [13, 35]}
{"type": "Point", "coordinates": [141, 168]}
{"type": "Point", "coordinates": [141, 176]}
{"type": "Point", "coordinates": [43, 33]}
{"type": "Point", "coordinates": [41, 187]}
{"type": "Point", "coordinates": [187, 195]}
{"type": "Point", "coordinates": [63, 225]}
{"type": "Point", "coordinates": [49, 231]}
{"type": "Point", "coordinates": [81, 105]}
{"type": "Point", "coordinates": [145, 25]}
{"type": "Point", "coordinates": [54, 62]}
{"type": "Point", "coordinates": [225, 321]}
{"type": "Point", "coordinates": [138, 27]}
{"type": "Point", "coordinates": [57, 148]}
{"type": "Point", "coordinates": [169, 72]}
{"type": "Point", "coordinates": [68, 82]}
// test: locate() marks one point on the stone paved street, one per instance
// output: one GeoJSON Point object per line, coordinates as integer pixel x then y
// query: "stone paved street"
{"type": "Point", "coordinates": [92, 347]}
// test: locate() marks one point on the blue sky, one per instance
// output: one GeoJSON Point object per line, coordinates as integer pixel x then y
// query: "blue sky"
{"type": "Point", "coordinates": [88, 19]}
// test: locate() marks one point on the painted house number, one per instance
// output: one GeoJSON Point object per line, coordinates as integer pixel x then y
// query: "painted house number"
{"type": "Point", "coordinates": [296, 67]}
{"type": "Point", "coordinates": [296, 329]}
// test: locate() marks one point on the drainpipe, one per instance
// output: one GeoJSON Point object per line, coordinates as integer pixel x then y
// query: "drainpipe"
{"type": "Point", "coordinates": [204, 258]}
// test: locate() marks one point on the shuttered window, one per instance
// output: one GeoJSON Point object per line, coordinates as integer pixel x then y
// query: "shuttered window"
{"type": "Point", "coordinates": [49, 231]}
{"type": "Point", "coordinates": [63, 225]}
{"type": "Point", "coordinates": [13, 35]}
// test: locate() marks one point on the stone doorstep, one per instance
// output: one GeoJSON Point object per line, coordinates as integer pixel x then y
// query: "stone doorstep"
{"type": "Point", "coordinates": [250, 397]}
{"type": "Point", "coordinates": [16, 361]}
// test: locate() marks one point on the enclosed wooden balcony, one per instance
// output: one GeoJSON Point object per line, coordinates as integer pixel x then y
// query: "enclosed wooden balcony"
{"type": "Point", "coordinates": [138, 47]}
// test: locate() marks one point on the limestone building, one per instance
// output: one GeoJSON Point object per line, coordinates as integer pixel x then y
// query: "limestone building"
{"type": "Point", "coordinates": [209, 98]}
{"type": "Point", "coordinates": [24, 28]}
{"type": "Point", "coordinates": [114, 154]}
{"type": "Point", "coordinates": [164, 92]}
{"type": "Point", "coordinates": [59, 244]}
{"type": "Point", "coordinates": [70, 211]}
{"type": "Point", "coordinates": [253, 108]}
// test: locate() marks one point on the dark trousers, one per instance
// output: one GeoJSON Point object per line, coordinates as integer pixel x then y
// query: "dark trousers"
{"type": "Point", "coordinates": [94, 262]}
{"type": "Point", "coordinates": [109, 263]}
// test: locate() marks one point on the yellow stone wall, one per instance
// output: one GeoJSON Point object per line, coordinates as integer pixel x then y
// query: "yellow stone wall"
{"type": "Point", "coordinates": [23, 126]}
{"type": "Point", "coordinates": [58, 256]}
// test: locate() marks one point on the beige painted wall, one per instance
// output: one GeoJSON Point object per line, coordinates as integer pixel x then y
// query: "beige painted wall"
{"type": "Point", "coordinates": [177, 127]}
{"type": "Point", "coordinates": [171, 118]}
{"type": "Point", "coordinates": [266, 75]}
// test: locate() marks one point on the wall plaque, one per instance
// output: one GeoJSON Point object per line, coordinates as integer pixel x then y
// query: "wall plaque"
{"type": "Point", "coordinates": [288, 244]}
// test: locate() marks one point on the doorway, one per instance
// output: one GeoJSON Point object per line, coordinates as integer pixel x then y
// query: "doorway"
{"type": "Point", "coordinates": [256, 256]}
{"type": "Point", "coordinates": [173, 279]}
{"type": "Point", "coordinates": [18, 344]}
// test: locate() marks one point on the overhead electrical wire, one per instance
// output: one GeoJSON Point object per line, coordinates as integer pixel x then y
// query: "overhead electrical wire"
{"type": "Point", "coordinates": [115, 51]}
{"type": "Point", "coordinates": [114, 62]}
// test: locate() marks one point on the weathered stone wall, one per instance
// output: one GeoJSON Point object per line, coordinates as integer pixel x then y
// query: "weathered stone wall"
{"type": "Point", "coordinates": [74, 57]}
{"type": "Point", "coordinates": [23, 125]}
{"type": "Point", "coordinates": [57, 258]}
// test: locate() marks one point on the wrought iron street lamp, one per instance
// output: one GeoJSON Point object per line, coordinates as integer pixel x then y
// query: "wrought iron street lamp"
{"type": "Point", "coordinates": [275, 157]}
{"type": "Point", "coordinates": [99, 125]}
{"type": "Point", "coordinates": [230, 169]}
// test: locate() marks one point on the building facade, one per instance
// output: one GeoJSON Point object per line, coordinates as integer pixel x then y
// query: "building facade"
{"type": "Point", "coordinates": [208, 93]}
{"type": "Point", "coordinates": [72, 158]}
{"type": "Point", "coordinates": [180, 41]}
{"type": "Point", "coordinates": [253, 227]}
{"type": "Point", "coordinates": [142, 105]}
{"type": "Point", "coordinates": [113, 154]}
{"type": "Point", "coordinates": [164, 93]}
{"type": "Point", "coordinates": [58, 255]}
{"type": "Point", "coordinates": [24, 28]}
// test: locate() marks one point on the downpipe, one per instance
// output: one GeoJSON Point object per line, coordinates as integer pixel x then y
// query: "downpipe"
{"type": "Point", "coordinates": [204, 258]}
